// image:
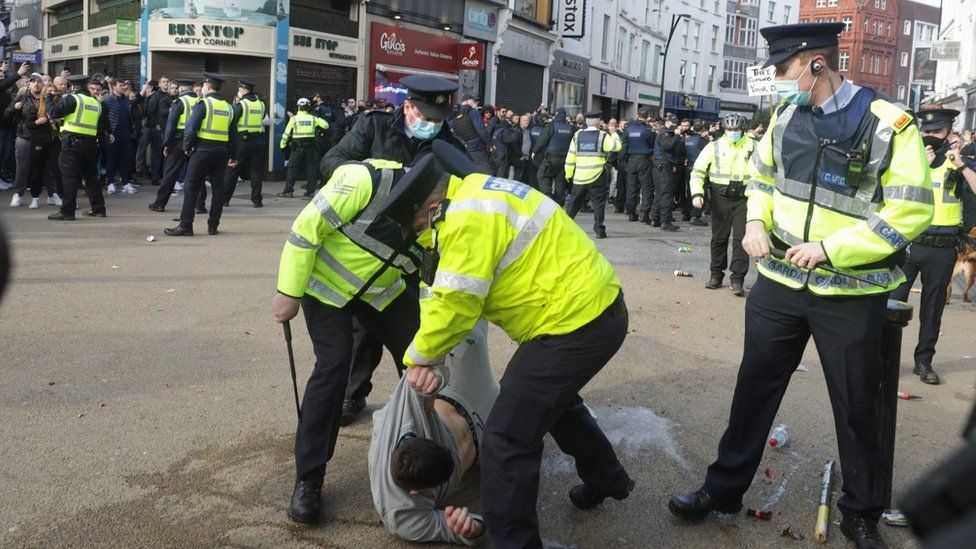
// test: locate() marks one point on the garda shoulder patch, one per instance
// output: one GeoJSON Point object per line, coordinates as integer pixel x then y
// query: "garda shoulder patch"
{"type": "Point", "coordinates": [902, 122]}
{"type": "Point", "coordinates": [507, 186]}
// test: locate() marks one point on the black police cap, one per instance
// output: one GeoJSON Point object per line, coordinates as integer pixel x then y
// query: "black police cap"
{"type": "Point", "coordinates": [430, 94]}
{"type": "Point", "coordinates": [560, 112]}
{"type": "Point", "coordinates": [593, 114]}
{"type": "Point", "coordinates": [215, 79]}
{"type": "Point", "coordinates": [185, 81]}
{"type": "Point", "coordinates": [934, 119]}
{"type": "Point", "coordinates": [785, 41]}
{"type": "Point", "coordinates": [79, 79]}
{"type": "Point", "coordinates": [412, 190]}
{"type": "Point", "coordinates": [245, 83]}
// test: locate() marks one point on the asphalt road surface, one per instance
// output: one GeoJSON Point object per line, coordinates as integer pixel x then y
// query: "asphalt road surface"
{"type": "Point", "coordinates": [146, 399]}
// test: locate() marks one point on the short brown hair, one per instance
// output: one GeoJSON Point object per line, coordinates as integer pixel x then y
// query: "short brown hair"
{"type": "Point", "coordinates": [420, 463]}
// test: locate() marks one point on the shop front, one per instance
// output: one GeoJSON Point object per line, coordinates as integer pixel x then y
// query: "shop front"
{"type": "Point", "coordinates": [65, 53]}
{"type": "Point", "coordinates": [520, 67]}
{"type": "Point", "coordinates": [481, 27]}
{"type": "Point", "coordinates": [648, 98]}
{"type": "Point", "coordinates": [114, 50]}
{"type": "Point", "coordinates": [684, 105]}
{"type": "Point", "coordinates": [613, 94]}
{"type": "Point", "coordinates": [567, 82]}
{"type": "Point", "coordinates": [323, 63]}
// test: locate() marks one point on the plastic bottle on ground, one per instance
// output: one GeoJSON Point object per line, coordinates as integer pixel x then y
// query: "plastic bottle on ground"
{"type": "Point", "coordinates": [780, 436]}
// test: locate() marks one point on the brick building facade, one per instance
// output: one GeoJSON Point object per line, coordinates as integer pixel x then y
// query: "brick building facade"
{"type": "Point", "coordinates": [867, 44]}
{"type": "Point", "coordinates": [918, 26]}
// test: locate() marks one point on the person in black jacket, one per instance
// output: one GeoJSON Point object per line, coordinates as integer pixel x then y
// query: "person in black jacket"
{"type": "Point", "coordinates": [7, 128]}
{"type": "Point", "coordinates": [35, 149]}
{"type": "Point", "coordinates": [469, 127]}
{"type": "Point", "coordinates": [157, 104]}
{"type": "Point", "coordinates": [669, 159]}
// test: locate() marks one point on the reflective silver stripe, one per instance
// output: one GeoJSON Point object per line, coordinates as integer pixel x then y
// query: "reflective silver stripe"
{"type": "Point", "coordinates": [909, 192]}
{"type": "Point", "coordinates": [785, 235]}
{"type": "Point", "coordinates": [848, 205]}
{"type": "Point", "coordinates": [597, 153]}
{"type": "Point", "coordinates": [829, 281]}
{"type": "Point", "coordinates": [426, 292]}
{"type": "Point", "coordinates": [761, 167]}
{"type": "Point", "coordinates": [296, 239]}
{"type": "Point", "coordinates": [461, 283]}
{"type": "Point", "coordinates": [527, 234]}
{"type": "Point", "coordinates": [379, 296]}
{"type": "Point", "coordinates": [717, 156]}
{"type": "Point", "coordinates": [375, 203]}
{"type": "Point", "coordinates": [418, 358]}
{"type": "Point", "coordinates": [324, 208]}
{"type": "Point", "coordinates": [315, 286]}
{"type": "Point", "coordinates": [488, 206]}
{"type": "Point", "coordinates": [363, 240]}
{"type": "Point", "coordinates": [887, 233]}
{"type": "Point", "coordinates": [948, 195]}
{"type": "Point", "coordinates": [757, 185]}
{"type": "Point", "coordinates": [340, 269]}
{"type": "Point", "coordinates": [879, 149]}
{"type": "Point", "coordinates": [778, 130]}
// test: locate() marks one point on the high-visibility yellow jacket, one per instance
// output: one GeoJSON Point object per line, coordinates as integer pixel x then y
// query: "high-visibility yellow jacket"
{"type": "Point", "coordinates": [188, 101]}
{"type": "Point", "coordinates": [588, 153]}
{"type": "Point", "coordinates": [337, 245]}
{"type": "Point", "coordinates": [84, 119]}
{"type": "Point", "coordinates": [252, 116]}
{"type": "Point", "coordinates": [302, 126]}
{"type": "Point", "coordinates": [722, 161]}
{"type": "Point", "coordinates": [948, 207]}
{"type": "Point", "coordinates": [860, 229]}
{"type": "Point", "coordinates": [510, 254]}
{"type": "Point", "coordinates": [215, 125]}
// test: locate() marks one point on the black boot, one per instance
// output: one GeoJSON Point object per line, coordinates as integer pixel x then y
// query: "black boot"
{"type": "Point", "coordinates": [95, 212]}
{"type": "Point", "coordinates": [211, 228]}
{"type": "Point", "coordinates": [737, 289]}
{"type": "Point", "coordinates": [157, 207]}
{"type": "Point", "coordinates": [601, 233]}
{"type": "Point", "coordinates": [179, 230]}
{"type": "Point", "coordinates": [714, 282]}
{"type": "Point", "coordinates": [670, 227]}
{"type": "Point", "coordinates": [926, 374]}
{"type": "Point", "coordinates": [350, 410]}
{"type": "Point", "coordinates": [655, 222]}
{"type": "Point", "coordinates": [286, 194]}
{"type": "Point", "coordinates": [306, 500]}
{"type": "Point", "coordinates": [863, 532]}
{"type": "Point", "coordinates": [61, 215]}
{"type": "Point", "coordinates": [632, 216]}
{"type": "Point", "coordinates": [697, 221]}
{"type": "Point", "coordinates": [697, 505]}
{"type": "Point", "coordinates": [201, 210]}
{"type": "Point", "coordinates": [585, 498]}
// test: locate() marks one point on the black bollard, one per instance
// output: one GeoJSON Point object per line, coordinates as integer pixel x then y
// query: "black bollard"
{"type": "Point", "coordinates": [886, 404]}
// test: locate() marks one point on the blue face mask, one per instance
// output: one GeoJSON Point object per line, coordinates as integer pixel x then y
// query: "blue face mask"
{"type": "Point", "coordinates": [789, 91]}
{"type": "Point", "coordinates": [734, 136]}
{"type": "Point", "coordinates": [425, 129]}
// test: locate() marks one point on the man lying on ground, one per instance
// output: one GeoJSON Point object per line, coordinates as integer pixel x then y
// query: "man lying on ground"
{"type": "Point", "coordinates": [423, 444]}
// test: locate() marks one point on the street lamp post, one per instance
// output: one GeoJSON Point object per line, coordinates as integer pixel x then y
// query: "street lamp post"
{"type": "Point", "coordinates": [675, 19]}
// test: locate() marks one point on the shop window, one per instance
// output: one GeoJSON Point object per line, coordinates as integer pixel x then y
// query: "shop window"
{"type": "Point", "coordinates": [567, 95]}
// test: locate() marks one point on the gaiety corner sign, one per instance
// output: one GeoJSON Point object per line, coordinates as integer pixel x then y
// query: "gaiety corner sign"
{"type": "Point", "coordinates": [195, 34]}
{"type": "Point", "coordinates": [211, 36]}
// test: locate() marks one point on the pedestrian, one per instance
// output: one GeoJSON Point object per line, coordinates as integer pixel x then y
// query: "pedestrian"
{"type": "Point", "coordinates": [933, 253]}
{"type": "Point", "coordinates": [525, 168]}
{"type": "Point", "coordinates": [669, 158]}
{"type": "Point", "coordinates": [586, 167]}
{"type": "Point", "coordinates": [552, 146]}
{"type": "Point", "coordinates": [36, 154]}
{"type": "Point", "coordinates": [119, 110]}
{"type": "Point", "coordinates": [251, 114]}
{"type": "Point", "coordinates": [176, 157]}
{"type": "Point", "coordinates": [560, 346]}
{"type": "Point", "coordinates": [469, 128]}
{"type": "Point", "coordinates": [618, 170]}
{"type": "Point", "coordinates": [638, 147]}
{"type": "Point", "coordinates": [725, 165]}
{"type": "Point", "coordinates": [83, 122]}
{"type": "Point", "coordinates": [210, 142]}
{"type": "Point", "coordinates": [298, 144]}
{"type": "Point", "coordinates": [811, 198]}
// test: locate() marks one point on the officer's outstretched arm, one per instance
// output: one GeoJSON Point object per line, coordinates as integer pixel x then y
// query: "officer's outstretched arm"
{"type": "Point", "coordinates": [906, 211]}
{"type": "Point", "coordinates": [700, 170]}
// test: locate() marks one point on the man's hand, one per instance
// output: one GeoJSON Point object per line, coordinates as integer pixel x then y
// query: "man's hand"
{"type": "Point", "coordinates": [65, 73]}
{"type": "Point", "coordinates": [24, 67]}
{"type": "Point", "coordinates": [18, 105]}
{"type": "Point", "coordinates": [284, 307]}
{"type": "Point", "coordinates": [231, 163]}
{"type": "Point", "coordinates": [165, 151]}
{"type": "Point", "coordinates": [463, 524]}
{"type": "Point", "coordinates": [158, 127]}
{"type": "Point", "coordinates": [698, 202]}
{"type": "Point", "coordinates": [954, 157]}
{"type": "Point", "coordinates": [422, 380]}
{"type": "Point", "coordinates": [806, 255]}
{"type": "Point", "coordinates": [5, 66]}
{"type": "Point", "coordinates": [929, 153]}
{"type": "Point", "coordinates": [756, 241]}
{"type": "Point", "coordinates": [40, 121]}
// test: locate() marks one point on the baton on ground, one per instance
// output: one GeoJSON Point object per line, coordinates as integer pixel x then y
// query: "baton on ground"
{"type": "Point", "coordinates": [291, 362]}
{"type": "Point", "coordinates": [781, 254]}
{"type": "Point", "coordinates": [823, 512]}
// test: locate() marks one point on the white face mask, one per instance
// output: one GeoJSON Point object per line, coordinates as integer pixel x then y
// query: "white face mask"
{"type": "Point", "coordinates": [734, 136]}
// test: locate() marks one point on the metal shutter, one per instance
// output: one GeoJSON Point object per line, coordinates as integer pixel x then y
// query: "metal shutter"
{"type": "Point", "coordinates": [307, 79]}
{"type": "Point", "coordinates": [518, 85]}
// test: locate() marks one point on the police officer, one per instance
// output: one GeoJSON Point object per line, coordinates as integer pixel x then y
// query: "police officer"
{"type": "Point", "coordinates": [586, 167]}
{"type": "Point", "coordinates": [470, 128]}
{"type": "Point", "coordinates": [817, 180]}
{"type": "Point", "coordinates": [331, 267]}
{"type": "Point", "coordinates": [298, 143]}
{"type": "Point", "coordinates": [669, 157]}
{"type": "Point", "coordinates": [530, 171]}
{"type": "Point", "coordinates": [401, 136]}
{"type": "Point", "coordinates": [174, 165]}
{"type": "Point", "coordinates": [694, 144]}
{"type": "Point", "coordinates": [210, 141]}
{"type": "Point", "coordinates": [640, 186]}
{"type": "Point", "coordinates": [933, 253]}
{"type": "Point", "coordinates": [83, 121]}
{"type": "Point", "coordinates": [725, 164]}
{"type": "Point", "coordinates": [552, 146]}
{"type": "Point", "coordinates": [561, 346]}
{"type": "Point", "coordinates": [250, 113]}
{"type": "Point", "coordinates": [618, 161]}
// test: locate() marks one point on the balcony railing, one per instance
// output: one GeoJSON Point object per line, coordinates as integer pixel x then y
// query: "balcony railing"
{"type": "Point", "coordinates": [108, 16]}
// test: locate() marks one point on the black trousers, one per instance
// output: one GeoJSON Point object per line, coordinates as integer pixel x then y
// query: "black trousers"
{"type": "Point", "coordinates": [37, 167]}
{"type": "Point", "coordinates": [552, 177]}
{"type": "Point", "coordinates": [666, 182]}
{"type": "Point", "coordinates": [330, 329]}
{"type": "Point", "coordinates": [935, 265]}
{"type": "Point", "coordinates": [527, 172]}
{"type": "Point", "coordinates": [250, 161]}
{"type": "Point", "coordinates": [79, 157]}
{"type": "Point", "coordinates": [367, 351]}
{"type": "Point", "coordinates": [620, 193]}
{"type": "Point", "coordinates": [597, 194]}
{"type": "Point", "coordinates": [728, 218]}
{"type": "Point", "coordinates": [539, 395]}
{"type": "Point", "coordinates": [173, 165]}
{"type": "Point", "coordinates": [303, 158]}
{"type": "Point", "coordinates": [687, 209]}
{"type": "Point", "coordinates": [207, 163]}
{"type": "Point", "coordinates": [778, 324]}
{"type": "Point", "coordinates": [640, 185]}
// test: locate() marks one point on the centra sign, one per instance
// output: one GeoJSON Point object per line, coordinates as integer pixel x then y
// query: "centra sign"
{"type": "Point", "coordinates": [207, 35]}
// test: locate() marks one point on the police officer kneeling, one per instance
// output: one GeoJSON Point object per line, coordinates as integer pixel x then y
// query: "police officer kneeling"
{"type": "Point", "coordinates": [933, 253]}
{"type": "Point", "coordinates": [505, 251]}
{"type": "Point", "coordinates": [725, 162]}
{"type": "Point", "coordinates": [842, 180]}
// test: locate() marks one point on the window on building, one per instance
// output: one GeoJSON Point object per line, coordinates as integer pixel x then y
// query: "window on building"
{"type": "Point", "coordinates": [845, 60]}
{"type": "Point", "coordinates": [863, 66]}
{"type": "Point", "coordinates": [885, 71]}
{"type": "Point", "coordinates": [718, 7]}
{"type": "Point", "coordinates": [907, 31]}
{"type": "Point", "coordinates": [832, 3]}
{"type": "Point", "coordinates": [877, 4]}
{"type": "Point", "coordinates": [904, 58]}
{"type": "Point", "coordinates": [684, 32]}
{"type": "Point", "coordinates": [884, 4]}
{"type": "Point", "coordinates": [711, 79]}
{"type": "Point", "coordinates": [629, 63]}
{"type": "Point", "coordinates": [645, 49]}
{"type": "Point", "coordinates": [696, 36]}
{"type": "Point", "coordinates": [621, 41]}
{"type": "Point", "coordinates": [874, 27]}
{"type": "Point", "coordinates": [821, 3]}
{"type": "Point", "coordinates": [901, 92]}
{"type": "Point", "coordinates": [747, 33]}
{"type": "Point", "coordinates": [605, 47]}
{"type": "Point", "coordinates": [772, 11]}
{"type": "Point", "coordinates": [715, 38]}
{"type": "Point", "coordinates": [682, 69]}
{"type": "Point", "coordinates": [888, 30]}
{"type": "Point", "coordinates": [657, 64]}
{"type": "Point", "coordinates": [539, 11]}
{"type": "Point", "coordinates": [735, 73]}
{"type": "Point", "coordinates": [848, 24]}
{"type": "Point", "coordinates": [693, 76]}
{"type": "Point", "coordinates": [786, 14]}
{"type": "Point", "coordinates": [730, 29]}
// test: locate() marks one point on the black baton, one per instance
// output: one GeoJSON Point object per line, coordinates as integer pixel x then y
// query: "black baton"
{"type": "Point", "coordinates": [781, 254]}
{"type": "Point", "coordinates": [291, 362]}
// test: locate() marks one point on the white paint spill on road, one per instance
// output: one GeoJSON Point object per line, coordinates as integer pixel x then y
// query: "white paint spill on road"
{"type": "Point", "coordinates": [635, 433]}
{"type": "Point", "coordinates": [778, 492]}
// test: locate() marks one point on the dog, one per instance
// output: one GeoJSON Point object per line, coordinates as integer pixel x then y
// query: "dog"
{"type": "Point", "coordinates": [966, 266]}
